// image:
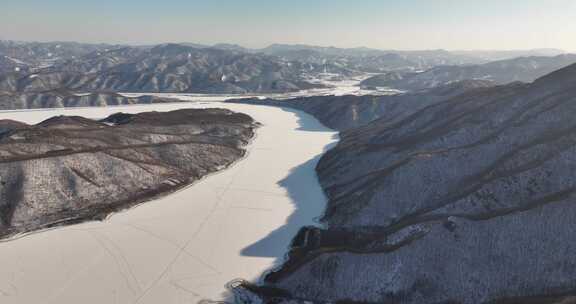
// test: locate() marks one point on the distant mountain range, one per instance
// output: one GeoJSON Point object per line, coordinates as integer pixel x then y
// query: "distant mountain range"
{"type": "Point", "coordinates": [194, 68]}
{"type": "Point", "coordinates": [374, 60]}
{"type": "Point", "coordinates": [63, 98]}
{"type": "Point", "coordinates": [370, 60]}
{"type": "Point", "coordinates": [502, 55]}
{"type": "Point", "coordinates": [523, 69]}
{"type": "Point", "coordinates": [165, 68]}
{"type": "Point", "coordinates": [36, 55]}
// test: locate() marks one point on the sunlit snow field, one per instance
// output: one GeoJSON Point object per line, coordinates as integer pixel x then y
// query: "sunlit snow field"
{"type": "Point", "coordinates": [186, 246]}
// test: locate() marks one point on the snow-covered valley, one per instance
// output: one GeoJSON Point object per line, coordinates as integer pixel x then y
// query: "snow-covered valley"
{"type": "Point", "coordinates": [186, 246]}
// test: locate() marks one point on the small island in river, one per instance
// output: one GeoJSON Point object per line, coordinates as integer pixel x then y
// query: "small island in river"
{"type": "Point", "coordinates": [70, 169]}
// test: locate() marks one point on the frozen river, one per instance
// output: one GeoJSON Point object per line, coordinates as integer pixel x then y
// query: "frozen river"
{"type": "Point", "coordinates": [186, 246]}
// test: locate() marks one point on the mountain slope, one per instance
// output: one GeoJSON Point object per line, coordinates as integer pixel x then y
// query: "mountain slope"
{"type": "Point", "coordinates": [63, 98]}
{"type": "Point", "coordinates": [433, 208]}
{"type": "Point", "coordinates": [526, 69]}
{"type": "Point", "coordinates": [70, 169]}
{"type": "Point", "coordinates": [346, 112]}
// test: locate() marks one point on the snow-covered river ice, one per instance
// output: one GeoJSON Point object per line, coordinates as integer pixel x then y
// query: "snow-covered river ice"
{"type": "Point", "coordinates": [186, 246]}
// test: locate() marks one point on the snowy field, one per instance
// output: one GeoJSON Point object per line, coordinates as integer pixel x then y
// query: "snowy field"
{"type": "Point", "coordinates": [339, 87]}
{"type": "Point", "coordinates": [186, 246]}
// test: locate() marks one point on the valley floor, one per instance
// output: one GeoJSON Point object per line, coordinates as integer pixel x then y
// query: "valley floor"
{"type": "Point", "coordinates": [336, 87]}
{"type": "Point", "coordinates": [186, 246]}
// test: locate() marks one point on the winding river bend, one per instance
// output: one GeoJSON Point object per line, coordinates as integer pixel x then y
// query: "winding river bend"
{"type": "Point", "coordinates": [186, 246]}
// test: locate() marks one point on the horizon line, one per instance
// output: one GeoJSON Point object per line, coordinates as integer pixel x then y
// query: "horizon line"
{"type": "Point", "coordinates": [285, 44]}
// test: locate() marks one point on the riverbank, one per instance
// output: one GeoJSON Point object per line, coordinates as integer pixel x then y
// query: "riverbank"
{"type": "Point", "coordinates": [188, 245]}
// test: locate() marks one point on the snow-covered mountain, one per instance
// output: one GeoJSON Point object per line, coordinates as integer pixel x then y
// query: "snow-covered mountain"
{"type": "Point", "coordinates": [524, 69]}
{"type": "Point", "coordinates": [433, 207]}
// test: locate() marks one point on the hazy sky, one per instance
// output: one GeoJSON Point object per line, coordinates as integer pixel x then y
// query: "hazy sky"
{"type": "Point", "coordinates": [388, 24]}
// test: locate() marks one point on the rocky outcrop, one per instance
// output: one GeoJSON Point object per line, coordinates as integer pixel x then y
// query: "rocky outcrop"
{"type": "Point", "coordinates": [346, 112]}
{"type": "Point", "coordinates": [64, 98]}
{"type": "Point", "coordinates": [469, 200]}
{"type": "Point", "coordinates": [70, 169]}
{"type": "Point", "coordinates": [526, 69]}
